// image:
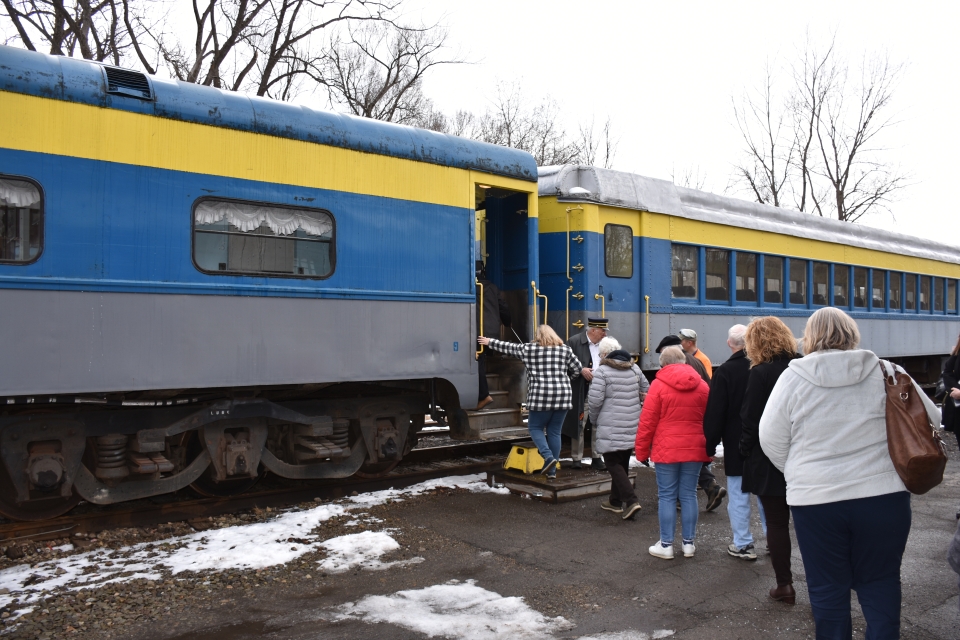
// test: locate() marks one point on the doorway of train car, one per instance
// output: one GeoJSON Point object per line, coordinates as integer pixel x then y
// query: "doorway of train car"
{"type": "Point", "coordinates": [502, 245]}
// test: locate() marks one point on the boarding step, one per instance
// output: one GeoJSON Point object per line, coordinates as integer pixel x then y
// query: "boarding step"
{"type": "Point", "coordinates": [570, 484]}
{"type": "Point", "coordinates": [501, 400]}
{"type": "Point", "coordinates": [493, 382]}
{"type": "Point", "coordinates": [505, 432]}
{"type": "Point", "coordinates": [494, 419]}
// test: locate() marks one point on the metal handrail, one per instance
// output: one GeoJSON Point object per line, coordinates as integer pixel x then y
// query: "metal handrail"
{"type": "Point", "coordinates": [646, 342]}
{"type": "Point", "coordinates": [570, 279]}
{"type": "Point", "coordinates": [480, 328]}
{"type": "Point", "coordinates": [603, 304]}
{"type": "Point", "coordinates": [533, 285]}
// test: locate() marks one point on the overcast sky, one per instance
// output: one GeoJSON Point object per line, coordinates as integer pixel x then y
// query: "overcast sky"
{"type": "Point", "coordinates": [665, 73]}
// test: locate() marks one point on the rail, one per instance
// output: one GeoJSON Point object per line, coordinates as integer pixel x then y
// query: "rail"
{"type": "Point", "coordinates": [480, 328]}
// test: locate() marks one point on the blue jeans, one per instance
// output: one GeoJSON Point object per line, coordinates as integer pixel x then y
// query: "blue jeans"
{"type": "Point", "coordinates": [678, 480]}
{"type": "Point", "coordinates": [854, 544]}
{"type": "Point", "coordinates": [739, 508]}
{"type": "Point", "coordinates": [544, 427]}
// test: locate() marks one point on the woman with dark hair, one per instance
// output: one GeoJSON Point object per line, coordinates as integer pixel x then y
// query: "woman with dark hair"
{"type": "Point", "coordinates": [951, 382]}
{"type": "Point", "coordinates": [770, 346]}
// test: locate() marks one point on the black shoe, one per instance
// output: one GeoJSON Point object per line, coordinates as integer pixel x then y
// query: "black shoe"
{"type": "Point", "coordinates": [630, 510]}
{"type": "Point", "coordinates": [597, 464]}
{"type": "Point", "coordinates": [576, 464]}
{"type": "Point", "coordinates": [550, 468]}
{"type": "Point", "coordinates": [715, 494]}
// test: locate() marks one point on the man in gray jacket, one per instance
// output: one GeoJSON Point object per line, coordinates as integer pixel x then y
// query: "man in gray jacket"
{"type": "Point", "coordinates": [614, 403]}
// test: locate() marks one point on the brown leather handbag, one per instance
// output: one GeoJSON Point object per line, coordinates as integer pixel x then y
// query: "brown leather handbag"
{"type": "Point", "coordinates": [917, 451]}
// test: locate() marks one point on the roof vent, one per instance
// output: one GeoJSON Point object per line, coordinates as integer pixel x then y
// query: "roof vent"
{"type": "Point", "coordinates": [128, 83]}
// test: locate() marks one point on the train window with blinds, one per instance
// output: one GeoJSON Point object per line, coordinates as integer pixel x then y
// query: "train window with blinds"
{"type": "Point", "coordinates": [859, 287]}
{"type": "Point", "coordinates": [618, 250]}
{"type": "Point", "coordinates": [21, 220]}
{"type": "Point", "coordinates": [235, 237]}
{"type": "Point", "coordinates": [841, 285]}
{"type": "Point", "coordinates": [910, 292]}
{"type": "Point", "coordinates": [746, 277]}
{"type": "Point", "coordinates": [937, 294]}
{"type": "Point", "coordinates": [684, 270]}
{"type": "Point", "coordinates": [895, 300]}
{"type": "Point", "coordinates": [718, 275]}
{"type": "Point", "coordinates": [879, 287]}
{"type": "Point", "coordinates": [772, 279]}
{"type": "Point", "coordinates": [821, 283]}
{"type": "Point", "coordinates": [924, 293]}
{"type": "Point", "coordinates": [951, 296]}
{"type": "Point", "coordinates": [798, 281]}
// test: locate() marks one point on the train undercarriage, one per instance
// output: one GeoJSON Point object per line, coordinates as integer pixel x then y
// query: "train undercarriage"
{"type": "Point", "coordinates": [58, 451]}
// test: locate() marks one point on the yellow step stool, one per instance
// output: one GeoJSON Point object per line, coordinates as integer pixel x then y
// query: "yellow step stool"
{"type": "Point", "coordinates": [524, 459]}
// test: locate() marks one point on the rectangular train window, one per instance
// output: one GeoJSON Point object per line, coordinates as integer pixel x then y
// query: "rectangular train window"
{"type": "Point", "coordinates": [938, 294]}
{"type": "Point", "coordinates": [910, 292]}
{"type": "Point", "coordinates": [772, 279]}
{"type": "Point", "coordinates": [924, 293]}
{"type": "Point", "coordinates": [798, 281]}
{"type": "Point", "coordinates": [895, 291]}
{"type": "Point", "coordinates": [859, 287]}
{"type": "Point", "coordinates": [821, 283]}
{"type": "Point", "coordinates": [746, 277]}
{"type": "Point", "coordinates": [21, 221]}
{"type": "Point", "coordinates": [683, 277]}
{"type": "Point", "coordinates": [879, 290]}
{"type": "Point", "coordinates": [718, 275]}
{"type": "Point", "coordinates": [618, 250]}
{"type": "Point", "coordinates": [841, 285]}
{"type": "Point", "coordinates": [271, 240]}
{"type": "Point", "coordinates": [951, 296]}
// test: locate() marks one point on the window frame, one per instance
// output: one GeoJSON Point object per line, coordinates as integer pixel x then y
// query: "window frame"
{"type": "Point", "coordinates": [866, 288]}
{"type": "Point", "coordinates": [606, 270]}
{"type": "Point", "coordinates": [735, 257]}
{"type": "Point", "coordinates": [833, 281]}
{"type": "Point", "coordinates": [784, 288]}
{"type": "Point", "coordinates": [730, 255]}
{"type": "Point", "coordinates": [898, 277]}
{"type": "Point", "coordinates": [884, 290]}
{"type": "Point", "coordinates": [813, 283]}
{"type": "Point", "coordinates": [43, 220]}
{"type": "Point", "coordinates": [915, 278]}
{"type": "Point", "coordinates": [788, 268]}
{"type": "Point", "coordinates": [956, 307]}
{"type": "Point", "coordinates": [259, 274]}
{"type": "Point", "coordinates": [696, 299]}
{"type": "Point", "coordinates": [929, 281]}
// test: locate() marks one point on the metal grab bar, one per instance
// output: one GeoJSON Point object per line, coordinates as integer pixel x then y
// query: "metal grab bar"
{"type": "Point", "coordinates": [533, 285]}
{"type": "Point", "coordinates": [480, 328]}
{"type": "Point", "coordinates": [646, 342]}
{"type": "Point", "coordinates": [603, 304]}
{"type": "Point", "coordinates": [540, 295]}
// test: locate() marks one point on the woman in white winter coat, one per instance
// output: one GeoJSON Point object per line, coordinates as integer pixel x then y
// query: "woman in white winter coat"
{"type": "Point", "coordinates": [824, 426]}
{"type": "Point", "coordinates": [616, 392]}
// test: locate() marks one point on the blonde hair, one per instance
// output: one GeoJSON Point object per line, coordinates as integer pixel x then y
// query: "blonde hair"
{"type": "Point", "coordinates": [766, 338]}
{"type": "Point", "coordinates": [672, 355]}
{"type": "Point", "coordinates": [547, 337]}
{"type": "Point", "coordinates": [830, 328]}
{"type": "Point", "coordinates": [607, 345]}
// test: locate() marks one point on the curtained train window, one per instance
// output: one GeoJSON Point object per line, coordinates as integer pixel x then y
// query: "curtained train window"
{"type": "Point", "coordinates": [21, 221]}
{"type": "Point", "coordinates": [234, 237]}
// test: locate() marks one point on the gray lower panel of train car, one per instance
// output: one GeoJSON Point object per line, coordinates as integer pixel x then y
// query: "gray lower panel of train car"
{"type": "Point", "coordinates": [888, 337]}
{"type": "Point", "coordinates": [88, 342]}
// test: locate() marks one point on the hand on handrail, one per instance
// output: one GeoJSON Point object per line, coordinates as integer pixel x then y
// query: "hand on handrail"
{"type": "Point", "coordinates": [484, 340]}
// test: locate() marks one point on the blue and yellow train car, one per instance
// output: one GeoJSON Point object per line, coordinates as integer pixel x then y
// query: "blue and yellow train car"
{"type": "Point", "coordinates": [194, 282]}
{"type": "Point", "coordinates": [656, 258]}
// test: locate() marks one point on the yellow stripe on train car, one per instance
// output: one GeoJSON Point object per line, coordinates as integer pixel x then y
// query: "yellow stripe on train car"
{"type": "Point", "coordinates": [591, 217]}
{"type": "Point", "coordinates": [44, 125]}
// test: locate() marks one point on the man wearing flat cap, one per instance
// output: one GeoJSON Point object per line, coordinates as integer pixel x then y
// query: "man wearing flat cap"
{"type": "Point", "coordinates": [577, 424]}
{"type": "Point", "coordinates": [675, 341]}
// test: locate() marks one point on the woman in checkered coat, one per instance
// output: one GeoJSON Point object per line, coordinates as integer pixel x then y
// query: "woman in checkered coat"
{"type": "Point", "coordinates": [550, 366]}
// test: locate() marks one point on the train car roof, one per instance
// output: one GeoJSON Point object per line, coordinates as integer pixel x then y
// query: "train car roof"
{"type": "Point", "coordinates": [577, 183]}
{"type": "Point", "coordinates": [83, 81]}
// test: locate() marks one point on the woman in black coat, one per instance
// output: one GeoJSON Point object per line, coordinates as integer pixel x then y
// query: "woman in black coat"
{"type": "Point", "coordinates": [770, 348]}
{"type": "Point", "coordinates": [951, 382]}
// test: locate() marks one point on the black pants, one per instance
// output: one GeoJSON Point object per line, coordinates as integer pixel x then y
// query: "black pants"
{"type": "Point", "coordinates": [706, 479]}
{"type": "Point", "coordinates": [482, 370]}
{"type": "Point", "coordinates": [777, 513]}
{"type": "Point", "coordinates": [621, 489]}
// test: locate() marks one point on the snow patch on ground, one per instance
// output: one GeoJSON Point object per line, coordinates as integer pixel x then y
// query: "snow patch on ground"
{"type": "Point", "coordinates": [361, 550]}
{"type": "Point", "coordinates": [630, 635]}
{"type": "Point", "coordinates": [456, 610]}
{"type": "Point", "coordinates": [252, 546]}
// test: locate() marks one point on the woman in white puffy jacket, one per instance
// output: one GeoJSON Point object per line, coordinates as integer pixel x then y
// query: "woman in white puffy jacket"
{"type": "Point", "coordinates": [824, 426]}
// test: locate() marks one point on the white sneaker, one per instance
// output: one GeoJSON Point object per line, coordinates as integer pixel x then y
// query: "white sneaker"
{"type": "Point", "coordinates": [689, 549]}
{"type": "Point", "coordinates": [661, 551]}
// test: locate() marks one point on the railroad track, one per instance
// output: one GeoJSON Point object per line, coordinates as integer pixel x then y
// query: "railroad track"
{"type": "Point", "coordinates": [419, 465]}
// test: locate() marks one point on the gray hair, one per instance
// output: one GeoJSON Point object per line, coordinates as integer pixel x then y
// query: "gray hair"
{"type": "Point", "coordinates": [607, 345]}
{"type": "Point", "coordinates": [735, 336]}
{"type": "Point", "coordinates": [830, 328]}
{"type": "Point", "coordinates": [672, 355]}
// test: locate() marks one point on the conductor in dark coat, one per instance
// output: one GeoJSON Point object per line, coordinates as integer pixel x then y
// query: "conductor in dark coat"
{"type": "Point", "coordinates": [577, 425]}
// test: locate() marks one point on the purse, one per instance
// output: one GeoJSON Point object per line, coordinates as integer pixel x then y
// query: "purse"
{"type": "Point", "coordinates": [916, 449]}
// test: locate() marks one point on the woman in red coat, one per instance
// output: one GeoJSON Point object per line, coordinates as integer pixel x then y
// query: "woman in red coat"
{"type": "Point", "coordinates": [671, 434]}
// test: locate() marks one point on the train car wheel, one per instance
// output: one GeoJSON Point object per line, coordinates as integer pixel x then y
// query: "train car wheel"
{"type": "Point", "coordinates": [373, 470]}
{"type": "Point", "coordinates": [39, 509]}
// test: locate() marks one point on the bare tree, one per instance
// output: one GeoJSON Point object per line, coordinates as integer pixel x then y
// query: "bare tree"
{"type": "Point", "coordinates": [690, 178]}
{"type": "Point", "coordinates": [376, 70]}
{"type": "Point", "coordinates": [91, 29]}
{"type": "Point", "coordinates": [819, 147]}
{"type": "Point", "coordinates": [597, 148]}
